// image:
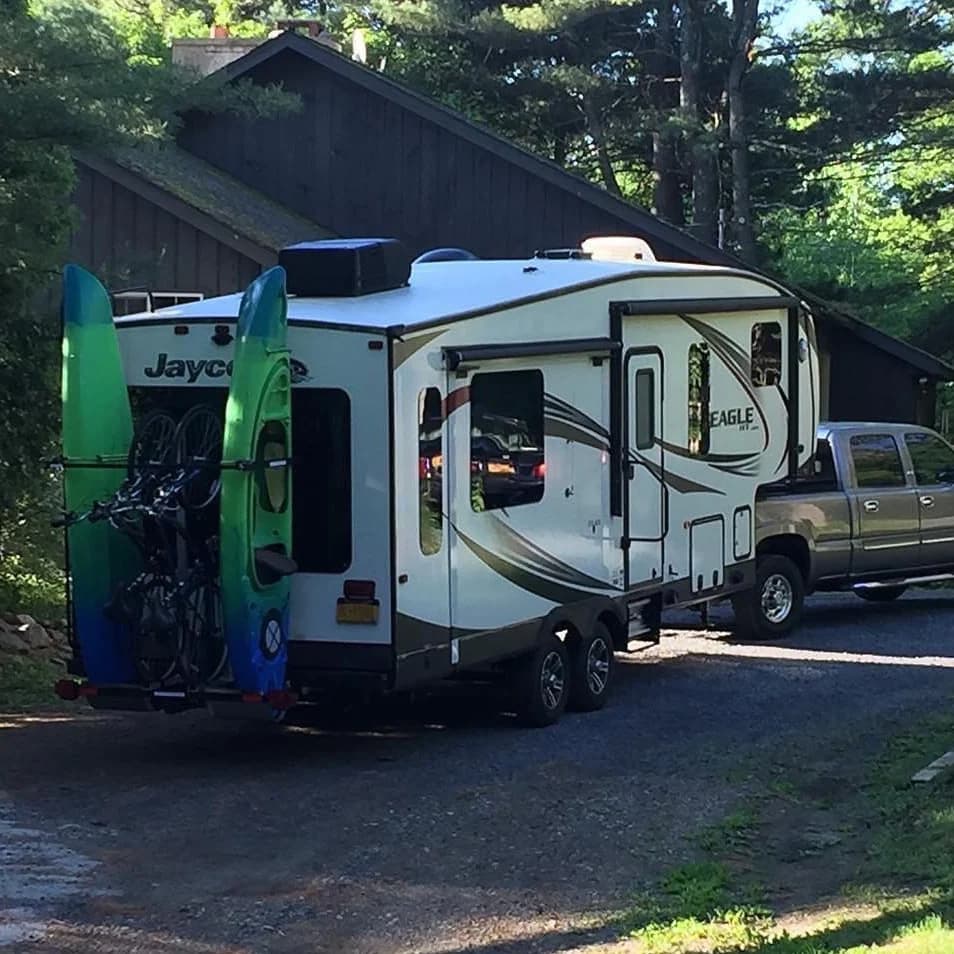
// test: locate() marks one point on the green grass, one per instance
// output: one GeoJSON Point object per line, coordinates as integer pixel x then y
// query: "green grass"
{"type": "Point", "coordinates": [27, 683]}
{"type": "Point", "coordinates": [902, 901]}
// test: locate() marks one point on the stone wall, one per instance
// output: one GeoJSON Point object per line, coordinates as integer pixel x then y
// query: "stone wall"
{"type": "Point", "coordinates": [22, 635]}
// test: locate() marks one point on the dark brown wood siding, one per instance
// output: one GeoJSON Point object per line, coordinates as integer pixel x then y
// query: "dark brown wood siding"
{"type": "Point", "coordinates": [868, 384]}
{"type": "Point", "coordinates": [129, 242]}
{"type": "Point", "coordinates": [361, 164]}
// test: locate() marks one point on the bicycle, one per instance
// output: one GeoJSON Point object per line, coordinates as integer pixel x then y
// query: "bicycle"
{"type": "Point", "coordinates": [172, 607]}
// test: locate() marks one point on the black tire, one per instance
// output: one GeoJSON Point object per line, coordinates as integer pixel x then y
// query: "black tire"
{"type": "Point", "coordinates": [198, 442]}
{"type": "Point", "coordinates": [153, 444]}
{"type": "Point", "coordinates": [881, 594]}
{"type": "Point", "coordinates": [591, 670]}
{"type": "Point", "coordinates": [542, 684]}
{"type": "Point", "coordinates": [773, 607]}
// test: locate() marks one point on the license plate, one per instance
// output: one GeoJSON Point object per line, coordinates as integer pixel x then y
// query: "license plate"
{"type": "Point", "coordinates": [357, 612]}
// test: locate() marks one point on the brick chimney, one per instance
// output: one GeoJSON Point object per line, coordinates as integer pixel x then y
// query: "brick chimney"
{"type": "Point", "coordinates": [219, 31]}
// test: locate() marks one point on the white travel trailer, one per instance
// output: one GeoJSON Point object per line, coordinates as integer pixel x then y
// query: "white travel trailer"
{"type": "Point", "coordinates": [513, 466]}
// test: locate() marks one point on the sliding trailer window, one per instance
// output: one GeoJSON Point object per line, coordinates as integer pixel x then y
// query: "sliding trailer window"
{"type": "Point", "coordinates": [507, 459]}
{"type": "Point", "coordinates": [766, 354]}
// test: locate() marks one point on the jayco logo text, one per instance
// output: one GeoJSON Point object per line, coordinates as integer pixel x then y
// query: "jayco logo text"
{"type": "Point", "coordinates": [166, 367]}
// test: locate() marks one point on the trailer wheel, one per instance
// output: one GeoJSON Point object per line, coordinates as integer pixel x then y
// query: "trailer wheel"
{"type": "Point", "coordinates": [880, 594]}
{"type": "Point", "coordinates": [542, 684]}
{"type": "Point", "coordinates": [773, 607]}
{"type": "Point", "coordinates": [591, 667]}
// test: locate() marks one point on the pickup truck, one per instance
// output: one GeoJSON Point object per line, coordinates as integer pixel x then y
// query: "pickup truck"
{"type": "Point", "coordinates": [875, 515]}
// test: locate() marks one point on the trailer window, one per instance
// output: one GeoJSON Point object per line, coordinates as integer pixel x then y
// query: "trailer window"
{"type": "Point", "coordinates": [932, 458]}
{"type": "Point", "coordinates": [507, 463]}
{"type": "Point", "coordinates": [645, 409]}
{"type": "Point", "coordinates": [321, 479]}
{"type": "Point", "coordinates": [698, 363]}
{"type": "Point", "coordinates": [766, 354]}
{"type": "Point", "coordinates": [877, 461]}
{"type": "Point", "coordinates": [430, 462]}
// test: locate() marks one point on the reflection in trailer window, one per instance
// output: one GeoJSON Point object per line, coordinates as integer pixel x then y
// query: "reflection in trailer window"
{"type": "Point", "coordinates": [430, 462]}
{"type": "Point", "coordinates": [507, 463]}
{"type": "Point", "coordinates": [698, 399]}
{"type": "Point", "coordinates": [321, 480]}
{"type": "Point", "coordinates": [877, 461]}
{"type": "Point", "coordinates": [766, 354]}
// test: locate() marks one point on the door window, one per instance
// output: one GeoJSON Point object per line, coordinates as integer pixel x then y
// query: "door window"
{"type": "Point", "coordinates": [877, 461]}
{"type": "Point", "coordinates": [430, 462]}
{"type": "Point", "coordinates": [932, 458]}
{"type": "Point", "coordinates": [645, 409]}
{"type": "Point", "coordinates": [507, 463]}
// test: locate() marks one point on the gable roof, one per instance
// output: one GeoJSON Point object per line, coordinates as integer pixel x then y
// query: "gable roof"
{"type": "Point", "coordinates": [643, 222]}
{"type": "Point", "coordinates": [211, 200]}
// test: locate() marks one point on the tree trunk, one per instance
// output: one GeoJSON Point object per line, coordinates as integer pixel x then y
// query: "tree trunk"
{"type": "Point", "coordinates": [744, 17]}
{"type": "Point", "coordinates": [667, 196]}
{"type": "Point", "coordinates": [594, 126]}
{"type": "Point", "coordinates": [702, 149]}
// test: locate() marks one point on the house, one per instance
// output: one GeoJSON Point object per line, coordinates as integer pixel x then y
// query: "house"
{"type": "Point", "coordinates": [367, 156]}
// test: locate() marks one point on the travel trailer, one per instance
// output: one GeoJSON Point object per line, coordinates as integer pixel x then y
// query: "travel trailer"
{"type": "Point", "coordinates": [508, 468]}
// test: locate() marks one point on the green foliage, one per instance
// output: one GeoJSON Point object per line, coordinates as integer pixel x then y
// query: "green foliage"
{"type": "Point", "coordinates": [903, 833]}
{"type": "Point", "coordinates": [27, 683]}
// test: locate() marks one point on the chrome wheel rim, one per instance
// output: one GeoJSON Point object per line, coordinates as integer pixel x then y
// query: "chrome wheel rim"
{"type": "Point", "coordinates": [777, 598]}
{"type": "Point", "coordinates": [552, 679]}
{"type": "Point", "coordinates": [597, 666]}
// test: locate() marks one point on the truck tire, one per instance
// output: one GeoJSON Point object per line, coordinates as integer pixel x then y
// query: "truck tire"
{"type": "Point", "coordinates": [591, 670]}
{"type": "Point", "coordinates": [881, 594]}
{"type": "Point", "coordinates": [773, 607]}
{"type": "Point", "coordinates": [542, 684]}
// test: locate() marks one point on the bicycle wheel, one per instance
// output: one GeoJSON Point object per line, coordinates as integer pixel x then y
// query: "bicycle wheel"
{"type": "Point", "coordinates": [205, 649]}
{"type": "Point", "coordinates": [157, 637]}
{"type": "Point", "coordinates": [153, 445]}
{"type": "Point", "coordinates": [198, 452]}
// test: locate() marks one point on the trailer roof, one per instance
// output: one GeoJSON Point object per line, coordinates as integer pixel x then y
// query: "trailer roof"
{"type": "Point", "coordinates": [443, 291]}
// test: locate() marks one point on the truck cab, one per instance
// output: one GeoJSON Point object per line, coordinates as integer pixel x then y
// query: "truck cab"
{"type": "Point", "coordinates": [873, 513]}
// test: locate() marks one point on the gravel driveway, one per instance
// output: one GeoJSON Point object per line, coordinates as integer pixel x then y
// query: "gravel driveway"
{"type": "Point", "coordinates": [432, 828]}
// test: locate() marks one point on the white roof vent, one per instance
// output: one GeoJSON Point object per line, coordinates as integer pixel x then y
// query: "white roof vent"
{"type": "Point", "coordinates": [618, 248]}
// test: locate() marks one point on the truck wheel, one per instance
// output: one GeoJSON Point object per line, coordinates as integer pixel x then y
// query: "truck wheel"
{"type": "Point", "coordinates": [773, 607]}
{"type": "Point", "coordinates": [881, 594]}
{"type": "Point", "coordinates": [591, 667]}
{"type": "Point", "coordinates": [542, 684]}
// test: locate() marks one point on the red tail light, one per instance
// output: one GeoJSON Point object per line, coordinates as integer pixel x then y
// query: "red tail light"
{"type": "Point", "coordinates": [251, 697]}
{"type": "Point", "coordinates": [359, 589]}
{"type": "Point", "coordinates": [281, 698]}
{"type": "Point", "coordinates": [540, 470]}
{"type": "Point", "coordinates": [67, 689]}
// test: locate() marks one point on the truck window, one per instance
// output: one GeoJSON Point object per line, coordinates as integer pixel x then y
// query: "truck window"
{"type": "Point", "coordinates": [430, 463]}
{"type": "Point", "coordinates": [507, 462]}
{"type": "Point", "coordinates": [877, 461]}
{"type": "Point", "coordinates": [698, 365]}
{"type": "Point", "coordinates": [932, 458]}
{"type": "Point", "coordinates": [766, 354]}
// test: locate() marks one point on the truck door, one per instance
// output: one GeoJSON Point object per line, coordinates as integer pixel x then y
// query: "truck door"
{"type": "Point", "coordinates": [646, 501]}
{"type": "Point", "coordinates": [932, 460]}
{"type": "Point", "coordinates": [884, 506]}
